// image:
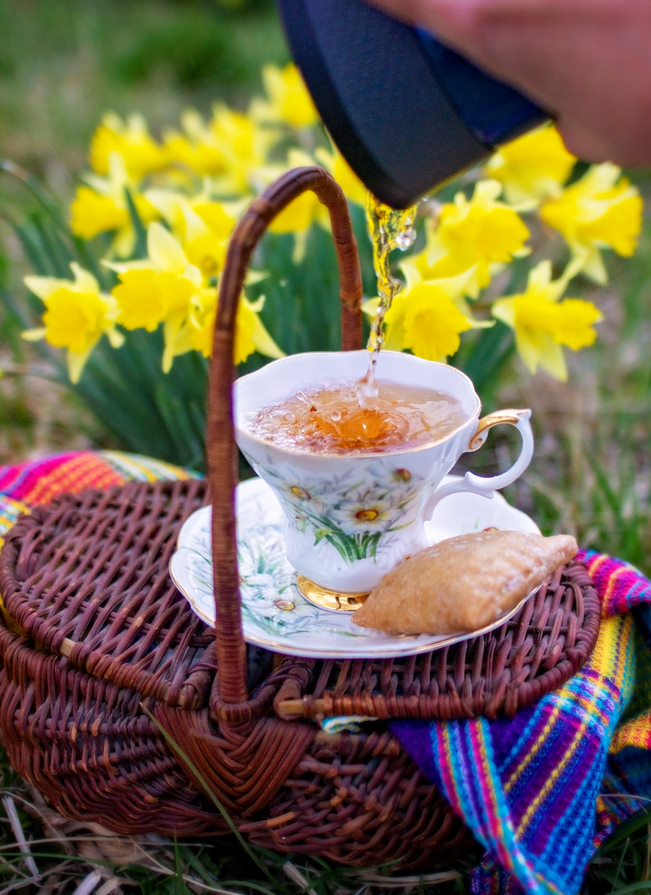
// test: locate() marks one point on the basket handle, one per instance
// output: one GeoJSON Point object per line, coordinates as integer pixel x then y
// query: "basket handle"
{"type": "Point", "coordinates": [229, 699]}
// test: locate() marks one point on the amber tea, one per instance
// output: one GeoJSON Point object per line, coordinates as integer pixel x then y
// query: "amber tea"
{"type": "Point", "coordinates": [341, 420]}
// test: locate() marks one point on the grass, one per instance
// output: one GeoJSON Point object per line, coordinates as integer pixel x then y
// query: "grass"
{"type": "Point", "coordinates": [64, 65]}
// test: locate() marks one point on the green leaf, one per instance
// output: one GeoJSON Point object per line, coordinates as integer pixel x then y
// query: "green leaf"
{"type": "Point", "coordinates": [140, 249]}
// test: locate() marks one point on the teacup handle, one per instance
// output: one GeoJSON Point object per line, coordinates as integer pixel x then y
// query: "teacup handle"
{"type": "Point", "coordinates": [488, 485]}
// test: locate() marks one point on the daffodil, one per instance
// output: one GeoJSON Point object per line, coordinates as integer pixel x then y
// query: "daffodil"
{"type": "Point", "coordinates": [480, 233]}
{"type": "Point", "coordinates": [545, 323]}
{"type": "Point", "coordinates": [77, 315]}
{"type": "Point", "coordinates": [415, 270]}
{"type": "Point", "coordinates": [158, 290]}
{"type": "Point", "coordinates": [600, 211]}
{"type": "Point", "coordinates": [425, 317]}
{"type": "Point", "coordinates": [168, 289]}
{"type": "Point", "coordinates": [287, 99]}
{"type": "Point", "coordinates": [350, 183]}
{"type": "Point", "coordinates": [533, 167]}
{"type": "Point", "coordinates": [230, 148]}
{"type": "Point", "coordinates": [250, 332]}
{"type": "Point", "coordinates": [129, 139]}
{"type": "Point", "coordinates": [203, 227]}
{"type": "Point", "coordinates": [195, 147]}
{"type": "Point", "coordinates": [101, 207]}
{"type": "Point", "coordinates": [245, 146]}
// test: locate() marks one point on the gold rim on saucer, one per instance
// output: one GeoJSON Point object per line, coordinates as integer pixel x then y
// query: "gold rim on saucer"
{"type": "Point", "coordinates": [332, 600]}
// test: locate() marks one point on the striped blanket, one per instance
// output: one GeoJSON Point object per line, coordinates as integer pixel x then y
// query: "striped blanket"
{"type": "Point", "coordinates": [541, 791]}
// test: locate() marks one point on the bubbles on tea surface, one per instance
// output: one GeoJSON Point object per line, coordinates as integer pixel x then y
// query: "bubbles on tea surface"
{"type": "Point", "coordinates": [331, 420]}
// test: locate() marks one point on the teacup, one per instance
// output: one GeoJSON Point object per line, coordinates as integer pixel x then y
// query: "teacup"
{"type": "Point", "coordinates": [350, 519]}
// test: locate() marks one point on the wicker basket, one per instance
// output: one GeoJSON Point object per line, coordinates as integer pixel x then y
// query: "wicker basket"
{"type": "Point", "coordinates": [123, 708]}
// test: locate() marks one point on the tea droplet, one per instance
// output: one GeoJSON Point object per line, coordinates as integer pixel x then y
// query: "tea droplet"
{"type": "Point", "coordinates": [406, 239]}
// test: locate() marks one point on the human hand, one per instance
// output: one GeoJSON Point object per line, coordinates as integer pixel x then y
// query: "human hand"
{"type": "Point", "coordinates": [587, 62]}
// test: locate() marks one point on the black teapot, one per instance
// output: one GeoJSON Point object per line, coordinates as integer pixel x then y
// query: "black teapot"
{"type": "Point", "coordinates": [406, 112]}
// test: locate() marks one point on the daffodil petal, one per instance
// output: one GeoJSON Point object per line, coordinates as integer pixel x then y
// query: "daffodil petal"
{"type": "Point", "coordinates": [411, 271]}
{"type": "Point", "coordinates": [43, 287]}
{"type": "Point", "coordinates": [263, 342]}
{"type": "Point", "coordinates": [164, 250]}
{"type": "Point", "coordinates": [504, 310]}
{"type": "Point", "coordinates": [126, 266]}
{"type": "Point", "coordinates": [455, 287]}
{"type": "Point", "coordinates": [124, 242]}
{"type": "Point", "coordinates": [116, 338]}
{"type": "Point", "coordinates": [83, 278]}
{"type": "Point", "coordinates": [34, 335]}
{"type": "Point", "coordinates": [553, 360]}
{"type": "Point", "coordinates": [77, 362]}
{"type": "Point", "coordinates": [594, 266]}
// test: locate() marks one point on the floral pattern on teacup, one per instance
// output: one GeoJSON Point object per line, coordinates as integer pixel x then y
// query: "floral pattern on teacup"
{"type": "Point", "coordinates": [356, 512]}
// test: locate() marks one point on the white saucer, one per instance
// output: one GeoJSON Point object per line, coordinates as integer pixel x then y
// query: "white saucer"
{"type": "Point", "coordinates": [275, 615]}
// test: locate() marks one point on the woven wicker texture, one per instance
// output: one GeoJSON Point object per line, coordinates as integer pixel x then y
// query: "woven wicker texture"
{"type": "Point", "coordinates": [548, 640]}
{"type": "Point", "coordinates": [77, 725]}
{"type": "Point", "coordinates": [123, 709]}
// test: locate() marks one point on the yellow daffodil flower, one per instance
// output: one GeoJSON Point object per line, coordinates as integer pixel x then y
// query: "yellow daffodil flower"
{"type": "Point", "coordinates": [250, 332]}
{"type": "Point", "coordinates": [77, 315]}
{"type": "Point", "coordinates": [415, 270]}
{"type": "Point", "coordinates": [425, 317]}
{"type": "Point", "coordinates": [287, 99]}
{"type": "Point", "coordinates": [158, 290]}
{"type": "Point", "coordinates": [203, 227]}
{"type": "Point", "coordinates": [533, 167]}
{"type": "Point", "coordinates": [245, 145]}
{"type": "Point", "coordinates": [230, 148]}
{"type": "Point", "coordinates": [544, 324]}
{"type": "Point", "coordinates": [101, 207]}
{"type": "Point", "coordinates": [129, 139]}
{"type": "Point", "coordinates": [168, 289]}
{"type": "Point", "coordinates": [336, 164]}
{"type": "Point", "coordinates": [195, 146]}
{"type": "Point", "coordinates": [600, 211]}
{"type": "Point", "coordinates": [480, 233]}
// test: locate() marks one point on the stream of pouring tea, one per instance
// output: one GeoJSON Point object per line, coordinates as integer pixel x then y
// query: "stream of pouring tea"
{"type": "Point", "coordinates": [389, 229]}
{"type": "Point", "coordinates": [369, 415]}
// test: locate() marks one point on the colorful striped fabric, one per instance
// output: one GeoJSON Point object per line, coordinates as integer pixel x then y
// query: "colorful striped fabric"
{"type": "Point", "coordinates": [40, 481]}
{"type": "Point", "coordinates": [32, 484]}
{"type": "Point", "coordinates": [543, 790]}
{"type": "Point", "coordinates": [540, 791]}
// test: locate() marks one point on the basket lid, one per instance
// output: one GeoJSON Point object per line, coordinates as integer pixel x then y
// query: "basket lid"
{"type": "Point", "coordinates": [86, 578]}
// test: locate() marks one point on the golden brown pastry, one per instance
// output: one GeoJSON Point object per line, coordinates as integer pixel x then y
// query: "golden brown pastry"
{"type": "Point", "coordinates": [463, 583]}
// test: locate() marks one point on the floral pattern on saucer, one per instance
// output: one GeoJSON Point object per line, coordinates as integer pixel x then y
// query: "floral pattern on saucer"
{"type": "Point", "coordinates": [275, 614]}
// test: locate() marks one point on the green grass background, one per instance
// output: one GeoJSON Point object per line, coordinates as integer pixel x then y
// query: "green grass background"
{"type": "Point", "coordinates": [62, 64]}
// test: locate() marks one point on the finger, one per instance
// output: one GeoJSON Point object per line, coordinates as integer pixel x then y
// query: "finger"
{"type": "Point", "coordinates": [449, 19]}
{"type": "Point", "coordinates": [495, 34]}
{"type": "Point", "coordinates": [584, 142]}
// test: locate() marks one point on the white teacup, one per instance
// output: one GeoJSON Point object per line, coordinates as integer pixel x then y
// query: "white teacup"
{"type": "Point", "coordinates": [349, 519]}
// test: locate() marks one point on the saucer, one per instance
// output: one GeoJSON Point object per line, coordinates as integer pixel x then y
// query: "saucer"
{"type": "Point", "coordinates": [275, 614]}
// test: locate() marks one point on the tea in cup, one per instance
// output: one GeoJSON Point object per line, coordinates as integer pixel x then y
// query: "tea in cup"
{"type": "Point", "coordinates": [358, 475]}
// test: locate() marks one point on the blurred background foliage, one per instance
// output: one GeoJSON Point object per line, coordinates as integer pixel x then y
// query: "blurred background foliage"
{"type": "Point", "coordinates": [64, 65]}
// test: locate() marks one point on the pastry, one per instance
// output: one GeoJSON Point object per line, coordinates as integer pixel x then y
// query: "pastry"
{"type": "Point", "coordinates": [464, 583]}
